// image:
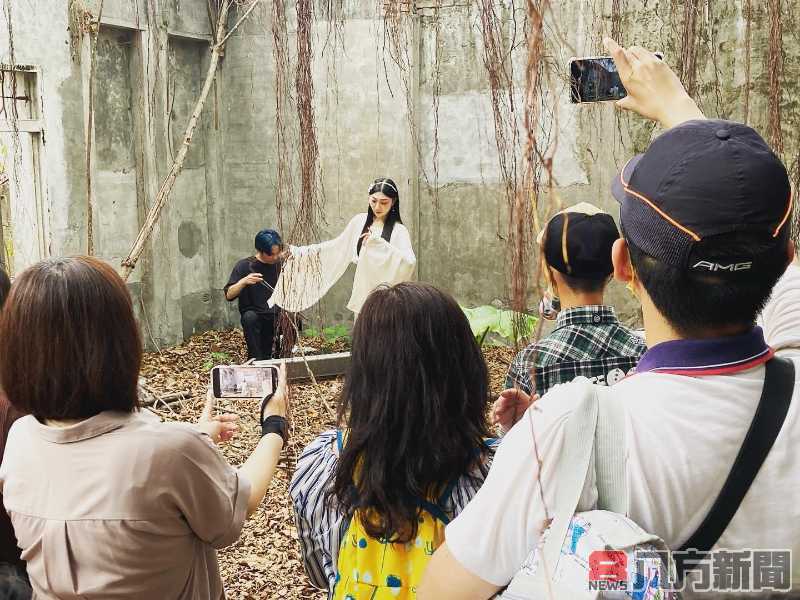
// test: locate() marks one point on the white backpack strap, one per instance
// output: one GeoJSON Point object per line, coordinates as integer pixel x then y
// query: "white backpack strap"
{"type": "Point", "coordinates": [612, 482]}
{"type": "Point", "coordinates": [577, 457]}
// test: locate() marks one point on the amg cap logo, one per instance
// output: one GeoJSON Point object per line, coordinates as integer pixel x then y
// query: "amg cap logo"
{"type": "Point", "coordinates": [732, 267]}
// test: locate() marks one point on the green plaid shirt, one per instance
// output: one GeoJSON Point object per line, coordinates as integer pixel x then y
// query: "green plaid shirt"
{"type": "Point", "coordinates": [588, 341]}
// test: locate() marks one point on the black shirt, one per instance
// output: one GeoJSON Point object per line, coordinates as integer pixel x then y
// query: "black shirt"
{"type": "Point", "coordinates": [254, 297]}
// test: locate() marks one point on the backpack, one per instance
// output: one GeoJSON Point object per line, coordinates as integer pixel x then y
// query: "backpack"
{"type": "Point", "coordinates": [373, 569]}
{"type": "Point", "coordinates": [604, 554]}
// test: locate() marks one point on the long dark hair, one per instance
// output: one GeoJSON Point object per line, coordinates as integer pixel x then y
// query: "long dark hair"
{"type": "Point", "coordinates": [413, 403]}
{"type": "Point", "coordinates": [388, 187]}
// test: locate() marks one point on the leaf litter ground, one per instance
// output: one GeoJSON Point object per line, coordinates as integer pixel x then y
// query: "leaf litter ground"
{"type": "Point", "coordinates": [265, 562]}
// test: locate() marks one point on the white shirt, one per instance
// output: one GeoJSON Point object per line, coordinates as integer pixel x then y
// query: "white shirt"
{"type": "Point", "coordinates": [683, 434]}
{"type": "Point", "coordinates": [312, 270]}
{"type": "Point", "coordinates": [780, 318]}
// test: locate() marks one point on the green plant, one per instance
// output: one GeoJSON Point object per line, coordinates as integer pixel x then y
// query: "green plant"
{"type": "Point", "coordinates": [484, 320]}
{"type": "Point", "coordinates": [335, 333]}
{"type": "Point", "coordinates": [215, 359]}
{"type": "Point", "coordinates": [310, 332]}
{"type": "Point", "coordinates": [330, 335]}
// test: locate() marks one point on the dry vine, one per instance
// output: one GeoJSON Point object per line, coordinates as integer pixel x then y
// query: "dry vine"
{"type": "Point", "coordinates": [398, 39]}
{"type": "Point", "coordinates": [747, 10]}
{"type": "Point", "coordinates": [309, 208]}
{"type": "Point", "coordinates": [94, 34]}
{"type": "Point", "coordinates": [775, 71]}
{"type": "Point", "coordinates": [280, 39]}
{"type": "Point", "coordinates": [687, 64]}
{"type": "Point", "coordinates": [497, 61]}
{"type": "Point", "coordinates": [11, 116]}
{"type": "Point", "coordinates": [436, 95]}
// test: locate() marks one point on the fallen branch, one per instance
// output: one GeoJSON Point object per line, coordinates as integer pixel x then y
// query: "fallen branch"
{"type": "Point", "coordinates": [239, 22]}
{"type": "Point", "coordinates": [177, 164]}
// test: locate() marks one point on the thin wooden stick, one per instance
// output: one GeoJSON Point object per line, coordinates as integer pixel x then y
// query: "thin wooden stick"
{"type": "Point", "coordinates": [239, 22]}
{"type": "Point", "coordinates": [177, 164]}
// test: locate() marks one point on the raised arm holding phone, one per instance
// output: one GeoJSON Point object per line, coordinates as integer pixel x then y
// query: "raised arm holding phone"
{"type": "Point", "coordinates": [704, 215]}
{"type": "Point", "coordinates": [106, 500]}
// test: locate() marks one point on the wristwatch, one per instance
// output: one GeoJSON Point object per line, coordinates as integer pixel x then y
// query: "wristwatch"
{"type": "Point", "coordinates": [275, 424]}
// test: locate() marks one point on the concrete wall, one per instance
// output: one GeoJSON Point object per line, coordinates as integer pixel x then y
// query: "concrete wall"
{"type": "Point", "coordinates": [152, 56]}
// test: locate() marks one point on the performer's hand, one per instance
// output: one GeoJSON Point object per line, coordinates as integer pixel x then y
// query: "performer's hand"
{"type": "Point", "coordinates": [365, 236]}
{"type": "Point", "coordinates": [286, 254]}
{"type": "Point", "coordinates": [251, 279]}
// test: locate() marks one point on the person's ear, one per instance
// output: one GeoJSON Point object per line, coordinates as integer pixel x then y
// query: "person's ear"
{"type": "Point", "coordinates": [621, 259]}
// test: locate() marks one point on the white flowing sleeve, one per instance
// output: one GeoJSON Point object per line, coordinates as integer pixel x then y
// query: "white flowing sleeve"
{"type": "Point", "coordinates": [312, 270]}
{"type": "Point", "coordinates": [382, 262]}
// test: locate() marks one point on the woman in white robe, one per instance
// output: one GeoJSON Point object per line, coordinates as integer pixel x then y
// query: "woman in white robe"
{"type": "Point", "coordinates": [376, 241]}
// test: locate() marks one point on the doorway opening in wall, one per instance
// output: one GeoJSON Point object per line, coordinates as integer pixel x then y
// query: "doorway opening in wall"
{"type": "Point", "coordinates": [22, 211]}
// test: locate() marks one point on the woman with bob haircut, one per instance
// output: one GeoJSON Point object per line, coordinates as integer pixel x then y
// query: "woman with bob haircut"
{"type": "Point", "coordinates": [376, 241]}
{"type": "Point", "coordinates": [105, 499]}
{"type": "Point", "coordinates": [412, 424]}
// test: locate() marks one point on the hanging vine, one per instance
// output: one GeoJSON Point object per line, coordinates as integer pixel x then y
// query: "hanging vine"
{"type": "Point", "coordinates": [775, 71]}
{"type": "Point", "coordinates": [497, 61]}
{"type": "Point", "coordinates": [499, 68]}
{"type": "Point", "coordinates": [436, 93]}
{"type": "Point", "coordinates": [280, 43]}
{"type": "Point", "coordinates": [399, 39]}
{"type": "Point", "coordinates": [93, 35]}
{"type": "Point", "coordinates": [747, 10]}
{"type": "Point", "coordinates": [12, 115]}
{"type": "Point", "coordinates": [332, 12]}
{"type": "Point", "coordinates": [309, 208]}
{"type": "Point", "coordinates": [687, 64]}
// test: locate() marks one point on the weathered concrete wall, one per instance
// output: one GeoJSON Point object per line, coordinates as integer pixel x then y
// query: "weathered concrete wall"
{"type": "Point", "coordinates": [152, 57]}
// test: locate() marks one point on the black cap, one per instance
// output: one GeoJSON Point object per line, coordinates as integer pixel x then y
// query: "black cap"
{"type": "Point", "coordinates": [699, 180]}
{"type": "Point", "coordinates": [578, 241]}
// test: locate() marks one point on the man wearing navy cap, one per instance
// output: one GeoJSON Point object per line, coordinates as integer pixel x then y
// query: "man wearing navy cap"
{"type": "Point", "coordinates": [711, 419]}
{"type": "Point", "coordinates": [252, 281]}
{"type": "Point", "coordinates": [588, 340]}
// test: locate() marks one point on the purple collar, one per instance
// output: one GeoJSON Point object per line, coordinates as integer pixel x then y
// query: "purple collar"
{"type": "Point", "coordinates": [716, 356]}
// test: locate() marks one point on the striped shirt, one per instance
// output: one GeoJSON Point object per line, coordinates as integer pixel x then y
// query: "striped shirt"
{"type": "Point", "coordinates": [588, 341]}
{"type": "Point", "coordinates": [320, 527]}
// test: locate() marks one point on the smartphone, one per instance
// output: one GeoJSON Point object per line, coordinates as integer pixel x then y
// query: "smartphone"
{"type": "Point", "coordinates": [244, 381]}
{"type": "Point", "coordinates": [595, 79]}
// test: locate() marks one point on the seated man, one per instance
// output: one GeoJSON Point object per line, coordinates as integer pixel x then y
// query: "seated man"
{"type": "Point", "coordinates": [588, 340]}
{"type": "Point", "coordinates": [252, 281]}
{"type": "Point", "coordinates": [704, 216]}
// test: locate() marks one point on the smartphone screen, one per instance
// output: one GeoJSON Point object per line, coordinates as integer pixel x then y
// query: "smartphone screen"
{"type": "Point", "coordinates": [243, 381]}
{"type": "Point", "coordinates": [596, 79]}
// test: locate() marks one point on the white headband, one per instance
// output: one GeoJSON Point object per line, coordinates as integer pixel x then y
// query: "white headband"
{"type": "Point", "coordinates": [382, 183]}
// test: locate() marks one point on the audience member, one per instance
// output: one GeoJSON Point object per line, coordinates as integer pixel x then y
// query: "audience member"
{"type": "Point", "coordinates": [14, 583]}
{"type": "Point", "coordinates": [253, 281]}
{"type": "Point", "coordinates": [106, 500]}
{"type": "Point", "coordinates": [575, 249]}
{"type": "Point", "coordinates": [704, 218]}
{"type": "Point", "coordinates": [411, 450]}
{"type": "Point", "coordinates": [780, 318]}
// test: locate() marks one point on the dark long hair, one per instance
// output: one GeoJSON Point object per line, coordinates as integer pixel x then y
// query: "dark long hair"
{"type": "Point", "coordinates": [388, 187]}
{"type": "Point", "coordinates": [413, 403]}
